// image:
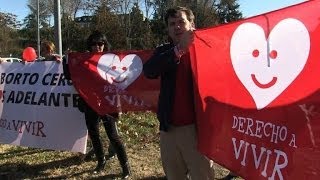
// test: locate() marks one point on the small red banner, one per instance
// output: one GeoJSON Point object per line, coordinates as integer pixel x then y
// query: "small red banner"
{"type": "Point", "coordinates": [114, 81]}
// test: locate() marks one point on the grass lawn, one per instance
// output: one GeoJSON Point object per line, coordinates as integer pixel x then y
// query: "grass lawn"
{"type": "Point", "coordinates": [139, 132]}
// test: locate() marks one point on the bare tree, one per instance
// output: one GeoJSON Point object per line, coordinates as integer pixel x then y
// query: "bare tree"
{"type": "Point", "coordinates": [45, 9]}
{"type": "Point", "coordinates": [71, 7]}
{"type": "Point", "coordinates": [149, 7]}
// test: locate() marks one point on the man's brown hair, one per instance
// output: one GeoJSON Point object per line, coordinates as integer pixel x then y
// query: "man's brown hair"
{"type": "Point", "coordinates": [173, 11]}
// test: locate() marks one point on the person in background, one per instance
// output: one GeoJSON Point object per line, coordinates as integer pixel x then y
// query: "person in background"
{"type": "Point", "coordinates": [176, 111]}
{"type": "Point", "coordinates": [97, 43]}
{"type": "Point", "coordinates": [48, 52]}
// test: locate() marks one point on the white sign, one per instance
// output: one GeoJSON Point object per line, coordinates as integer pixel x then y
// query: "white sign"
{"type": "Point", "coordinates": [38, 107]}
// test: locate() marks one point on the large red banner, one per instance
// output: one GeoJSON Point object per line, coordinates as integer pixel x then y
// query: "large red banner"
{"type": "Point", "coordinates": [113, 82]}
{"type": "Point", "coordinates": [258, 103]}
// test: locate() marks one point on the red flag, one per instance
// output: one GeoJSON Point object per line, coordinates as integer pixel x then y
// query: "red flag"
{"type": "Point", "coordinates": [114, 81]}
{"type": "Point", "coordinates": [258, 103]}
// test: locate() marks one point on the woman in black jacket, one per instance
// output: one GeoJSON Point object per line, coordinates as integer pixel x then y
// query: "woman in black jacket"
{"type": "Point", "coordinates": [96, 42]}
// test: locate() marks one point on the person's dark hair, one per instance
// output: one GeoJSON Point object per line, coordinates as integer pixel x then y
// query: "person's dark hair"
{"type": "Point", "coordinates": [173, 11]}
{"type": "Point", "coordinates": [97, 37]}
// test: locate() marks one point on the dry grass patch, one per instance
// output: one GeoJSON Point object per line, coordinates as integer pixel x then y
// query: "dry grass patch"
{"type": "Point", "coordinates": [139, 132]}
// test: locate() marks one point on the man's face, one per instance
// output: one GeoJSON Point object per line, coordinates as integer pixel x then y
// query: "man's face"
{"type": "Point", "coordinates": [178, 25]}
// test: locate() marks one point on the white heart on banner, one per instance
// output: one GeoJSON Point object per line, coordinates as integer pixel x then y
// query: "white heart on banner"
{"type": "Point", "coordinates": [120, 73]}
{"type": "Point", "coordinates": [267, 67]}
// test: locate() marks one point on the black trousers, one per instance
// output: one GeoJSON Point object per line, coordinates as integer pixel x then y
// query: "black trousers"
{"type": "Point", "coordinates": [109, 122]}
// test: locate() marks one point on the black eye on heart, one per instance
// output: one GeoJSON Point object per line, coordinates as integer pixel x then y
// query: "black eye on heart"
{"type": "Point", "coordinates": [115, 67]}
{"type": "Point", "coordinates": [273, 54]}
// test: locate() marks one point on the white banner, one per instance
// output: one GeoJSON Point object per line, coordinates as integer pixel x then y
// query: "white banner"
{"type": "Point", "coordinates": [38, 108]}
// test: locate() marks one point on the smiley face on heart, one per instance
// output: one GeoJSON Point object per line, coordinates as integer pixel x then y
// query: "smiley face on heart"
{"type": "Point", "coordinates": [120, 73]}
{"type": "Point", "coordinates": [266, 67]}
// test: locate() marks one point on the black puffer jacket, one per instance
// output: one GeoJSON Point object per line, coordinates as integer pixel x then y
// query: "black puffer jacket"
{"type": "Point", "coordinates": [163, 64]}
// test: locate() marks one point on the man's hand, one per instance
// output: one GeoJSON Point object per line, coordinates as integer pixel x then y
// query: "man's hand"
{"type": "Point", "coordinates": [186, 40]}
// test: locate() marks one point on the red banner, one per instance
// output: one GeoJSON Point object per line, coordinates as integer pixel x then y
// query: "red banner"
{"type": "Point", "coordinates": [114, 81]}
{"type": "Point", "coordinates": [258, 103]}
